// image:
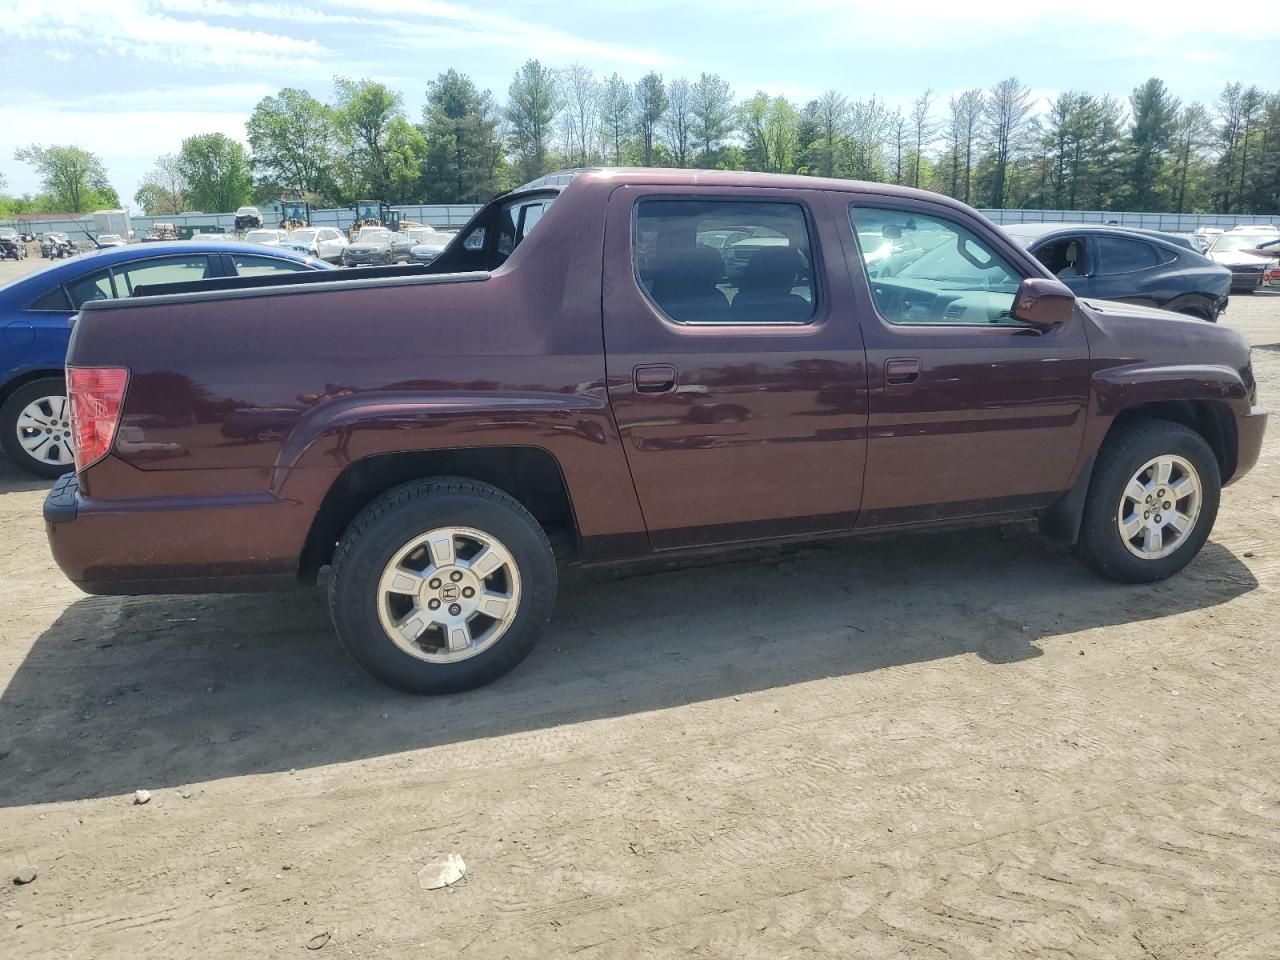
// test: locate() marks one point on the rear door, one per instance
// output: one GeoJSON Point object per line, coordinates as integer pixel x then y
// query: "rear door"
{"type": "Point", "coordinates": [1128, 269]}
{"type": "Point", "coordinates": [738, 382]}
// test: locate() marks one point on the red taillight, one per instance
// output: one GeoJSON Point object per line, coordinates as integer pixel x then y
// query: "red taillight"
{"type": "Point", "coordinates": [96, 394]}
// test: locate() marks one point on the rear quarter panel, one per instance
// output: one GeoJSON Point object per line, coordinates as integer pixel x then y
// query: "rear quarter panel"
{"type": "Point", "coordinates": [279, 392]}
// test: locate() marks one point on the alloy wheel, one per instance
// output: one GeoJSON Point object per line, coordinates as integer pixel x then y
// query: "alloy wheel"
{"type": "Point", "coordinates": [44, 431]}
{"type": "Point", "coordinates": [1159, 507]}
{"type": "Point", "coordinates": [449, 594]}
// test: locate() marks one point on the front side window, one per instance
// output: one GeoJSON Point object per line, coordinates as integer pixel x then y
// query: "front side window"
{"type": "Point", "coordinates": [726, 261]}
{"type": "Point", "coordinates": [168, 270]}
{"type": "Point", "coordinates": [92, 286]}
{"type": "Point", "coordinates": [1121, 255]}
{"type": "Point", "coordinates": [929, 270]}
{"type": "Point", "coordinates": [248, 265]}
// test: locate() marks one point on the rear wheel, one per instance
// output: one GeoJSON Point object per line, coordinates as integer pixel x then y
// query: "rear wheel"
{"type": "Point", "coordinates": [442, 585]}
{"type": "Point", "coordinates": [1152, 502]}
{"type": "Point", "coordinates": [35, 428]}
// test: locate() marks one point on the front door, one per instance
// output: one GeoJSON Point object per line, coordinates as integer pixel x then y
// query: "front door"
{"type": "Point", "coordinates": [971, 412]}
{"type": "Point", "coordinates": [735, 363]}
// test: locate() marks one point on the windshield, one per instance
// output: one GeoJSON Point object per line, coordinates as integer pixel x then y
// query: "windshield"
{"type": "Point", "coordinates": [1230, 242]}
{"type": "Point", "coordinates": [421, 234]}
{"type": "Point", "coordinates": [302, 236]}
{"type": "Point", "coordinates": [374, 235]}
{"type": "Point", "coordinates": [259, 236]}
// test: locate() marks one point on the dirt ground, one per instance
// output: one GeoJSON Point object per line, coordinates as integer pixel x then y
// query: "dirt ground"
{"type": "Point", "coordinates": [950, 745]}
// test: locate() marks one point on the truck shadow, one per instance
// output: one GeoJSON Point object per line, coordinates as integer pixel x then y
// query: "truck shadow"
{"type": "Point", "coordinates": [164, 691]}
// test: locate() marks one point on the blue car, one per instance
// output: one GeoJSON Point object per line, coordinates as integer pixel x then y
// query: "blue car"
{"type": "Point", "coordinates": [35, 320]}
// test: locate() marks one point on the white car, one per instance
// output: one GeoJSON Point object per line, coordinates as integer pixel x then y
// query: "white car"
{"type": "Point", "coordinates": [272, 238]}
{"type": "Point", "coordinates": [110, 240]}
{"type": "Point", "coordinates": [323, 243]}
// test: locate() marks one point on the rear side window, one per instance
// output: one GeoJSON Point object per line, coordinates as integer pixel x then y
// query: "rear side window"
{"type": "Point", "coordinates": [725, 261]}
{"type": "Point", "coordinates": [92, 286]}
{"type": "Point", "coordinates": [168, 270]}
{"type": "Point", "coordinates": [247, 265]}
{"type": "Point", "coordinates": [1064, 256]}
{"type": "Point", "coordinates": [55, 299]}
{"type": "Point", "coordinates": [516, 222]}
{"type": "Point", "coordinates": [1122, 255]}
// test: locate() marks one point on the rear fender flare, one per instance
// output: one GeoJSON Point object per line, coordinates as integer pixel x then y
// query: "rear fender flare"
{"type": "Point", "coordinates": [361, 425]}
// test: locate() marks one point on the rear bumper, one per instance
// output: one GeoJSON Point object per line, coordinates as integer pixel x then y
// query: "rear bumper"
{"type": "Point", "coordinates": [173, 544]}
{"type": "Point", "coordinates": [1249, 431]}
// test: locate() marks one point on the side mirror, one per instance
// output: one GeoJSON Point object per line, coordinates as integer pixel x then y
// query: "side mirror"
{"type": "Point", "coordinates": [1043, 303]}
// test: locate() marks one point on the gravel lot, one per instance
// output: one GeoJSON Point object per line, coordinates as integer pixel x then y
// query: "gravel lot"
{"type": "Point", "coordinates": [950, 745]}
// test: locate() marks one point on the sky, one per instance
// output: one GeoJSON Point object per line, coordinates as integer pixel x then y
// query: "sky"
{"type": "Point", "coordinates": [129, 79]}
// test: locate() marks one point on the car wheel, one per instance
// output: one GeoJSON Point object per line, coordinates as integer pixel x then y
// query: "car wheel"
{"type": "Point", "coordinates": [442, 585]}
{"type": "Point", "coordinates": [35, 428]}
{"type": "Point", "coordinates": [1152, 502]}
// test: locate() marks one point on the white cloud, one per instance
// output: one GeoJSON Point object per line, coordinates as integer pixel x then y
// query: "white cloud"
{"type": "Point", "coordinates": [140, 30]}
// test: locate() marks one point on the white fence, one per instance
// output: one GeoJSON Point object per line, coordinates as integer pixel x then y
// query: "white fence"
{"type": "Point", "coordinates": [450, 215]}
{"type": "Point", "coordinates": [454, 215]}
{"type": "Point", "coordinates": [1170, 222]}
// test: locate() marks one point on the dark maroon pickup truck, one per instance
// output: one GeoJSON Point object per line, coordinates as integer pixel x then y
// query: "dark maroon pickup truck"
{"type": "Point", "coordinates": [618, 364]}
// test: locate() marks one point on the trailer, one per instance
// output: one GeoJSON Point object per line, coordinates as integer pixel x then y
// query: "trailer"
{"type": "Point", "coordinates": [112, 221]}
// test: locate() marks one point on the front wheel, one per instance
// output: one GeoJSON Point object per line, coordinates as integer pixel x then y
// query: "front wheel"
{"type": "Point", "coordinates": [1152, 502]}
{"type": "Point", "coordinates": [35, 428]}
{"type": "Point", "coordinates": [442, 585]}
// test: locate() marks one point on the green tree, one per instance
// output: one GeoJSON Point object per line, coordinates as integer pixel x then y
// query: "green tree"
{"type": "Point", "coordinates": [617, 109]}
{"type": "Point", "coordinates": [924, 128]}
{"type": "Point", "coordinates": [1007, 109]}
{"type": "Point", "coordinates": [216, 170]}
{"type": "Point", "coordinates": [1150, 138]}
{"type": "Point", "coordinates": [826, 127]}
{"type": "Point", "coordinates": [651, 104]}
{"type": "Point", "coordinates": [374, 144]}
{"type": "Point", "coordinates": [533, 104]}
{"type": "Point", "coordinates": [770, 126]}
{"type": "Point", "coordinates": [678, 121]}
{"type": "Point", "coordinates": [293, 138]}
{"type": "Point", "coordinates": [463, 147]}
{"type": "Point", "coordinates": [1189, 171]}
{"type": "Point", "coordinates": [713, 112]}
{"type": "Point", "coordinates": [163, 190]}
{"type": "Point", "coordinates": [74, 178]}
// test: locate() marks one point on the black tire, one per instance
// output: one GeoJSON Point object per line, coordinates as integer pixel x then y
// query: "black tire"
{"type": "Point", "coordinates": [1129, 446]}
{"type": "Point", "coordinates": [397, 517]}
{"type": "Point", "coordinates": [9, 411]}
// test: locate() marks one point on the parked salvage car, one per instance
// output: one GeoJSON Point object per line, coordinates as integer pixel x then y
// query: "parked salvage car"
{"type": "Point", "coordinates": [428, 243]}
{"type": "Point", "coordinates": [12, 244]}
{"type": "Point", "coordinates": [109, 240]}
{"type": "Point", "coordinates": [377, 245]}
{"type": "Point", "coordinates": [248, 218]}
{"type": "Point", "coordinates": [35, 314]}
{"type": "Point", "coordinates": [1113, 263]}
{"type": "Point", "coordinates": [1241, 252]}
{"type": "Point", "coordinates": [267, 236]}
{"type": "Point", "coordinates": [590, 380]}
{"type": "Point", "coordinates": [324, 243]}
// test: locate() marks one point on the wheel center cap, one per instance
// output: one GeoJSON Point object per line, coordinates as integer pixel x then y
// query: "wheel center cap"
{"type": "Point", "coordinates": [450, 592]}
